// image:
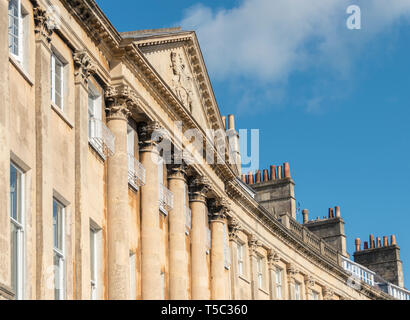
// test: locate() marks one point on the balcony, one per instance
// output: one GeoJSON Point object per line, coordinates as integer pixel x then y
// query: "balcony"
{"type": "Point", "coordinates": [358, 271]}
{"type": "Point", "coordinates": [395, 291]}
{"type": "Point", "coordinates": [101, 138]}
{"type": "Point", "coordinates": [136, 172]}
{"type": "Point", "coordinates": [166, 199]}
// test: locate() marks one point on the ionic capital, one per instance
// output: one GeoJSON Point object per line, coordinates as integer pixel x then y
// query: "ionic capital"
{"type": "Point", "coordinates": [84, 66]}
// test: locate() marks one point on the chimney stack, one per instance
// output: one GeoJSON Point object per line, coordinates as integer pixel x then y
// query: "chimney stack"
{"type": "Point", "coordinates": [305, 213]}
{"type": "Point", "coordinates": [337, 209]}
{"type": "Point", "coordinates": [385, 241]}
{"type": "Point", "coordinates": [273, 173]}
{"type": "Point", "coordinates": [231, 122]}
{"type": "Point", "coordinates": [287, 170]}
{"type": "Point", "coordinates": [358, 244]}
{"type": "Point", "coordinates": [258, 178]}
{"type": "Point", "coordinates": [250, 178]}
{"type": "Point", "coordinates": [393, 241]}
{"type": "Point", "coordinates": [366, 245]}
{"type": "Point", "coordinates": [378, 242]}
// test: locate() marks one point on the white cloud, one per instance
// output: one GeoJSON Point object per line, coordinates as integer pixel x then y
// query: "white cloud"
{"type": "Point", "coordinates": [267, 40]}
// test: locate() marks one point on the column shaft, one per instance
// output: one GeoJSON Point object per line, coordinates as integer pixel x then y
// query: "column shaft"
{"type": "Point", "coordinates": [217, 260]}
{"type": "Point", "coordinates": [118, 212]}
{"type": "Point", "coordinates": [178, 255]}
{"type": "Point", "coordinates": [150, 229]}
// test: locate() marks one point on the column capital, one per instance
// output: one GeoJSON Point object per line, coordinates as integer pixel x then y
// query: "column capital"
{"type": "Point", "coordinates": [218, 209]}
{"type": "Point", "coordinates": [328, 293]}
{"type": "Point", "coordinates": [119, 101]}
{"type": "Point", "coordinates": [254, 244]}
{"type": "Point", "coordinates": [43, 24]}
{"type": "Point", "coordinates": [177, 171]}
{"type": "Point", "coordinates": [84, 66]}
{"type": "Point", "coordinates": [273, 257]}
{"type": "Point", "coordinates": [199, 188]}
{"type": "Point", "coordinates": [234, 227]}
{"type": "Point", "coordinates": [310, 282]}
{"type": "Point", "coordinates": [150, 134]}
{"type": "Point", "coordinates": [292, 271]}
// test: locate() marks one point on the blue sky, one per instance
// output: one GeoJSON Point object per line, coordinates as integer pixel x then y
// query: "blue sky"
{"type": "Point", "coordinates": [331, 101]}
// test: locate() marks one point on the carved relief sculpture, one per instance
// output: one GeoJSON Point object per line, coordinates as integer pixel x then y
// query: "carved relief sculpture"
{"type": "Point", "coordinates": [181, 80]}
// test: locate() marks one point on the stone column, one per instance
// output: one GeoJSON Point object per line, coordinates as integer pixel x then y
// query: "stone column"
{"type": "Point", "coordinates": [83, 69]}
{"type": "Point", "coordinates": [199, 187]}
{"type": "Point", "coordinates": [178, 255]}
{"type": "Point", "coordinates": [217, 214]}
{"type": "Point", "coordinates": [118, 102]}
{"type": "Point", "coordinates": [254, 244]}
{"type": "Point", "coordinates": [4, 153]}
{"type": "Point", "coordinates": [292, 273]}
{"type": "Point", "coordinates": [234, 228]}
{"type": "Point", "coordinates": [44, 187]}
{"type": "Point", "coordinates": [150, 228]}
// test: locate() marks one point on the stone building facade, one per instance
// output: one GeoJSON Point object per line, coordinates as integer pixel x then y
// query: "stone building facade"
{"type": "Point", "coordinates": [88, 210]}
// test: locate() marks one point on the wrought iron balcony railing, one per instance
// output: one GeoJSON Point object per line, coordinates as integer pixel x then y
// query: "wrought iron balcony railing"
{"type": "Point", "coordinates": [166, 199]}
{"type": "Point", "coordinates": [136, 172]}
{"type": "Point", "coordinates": [101, 137]}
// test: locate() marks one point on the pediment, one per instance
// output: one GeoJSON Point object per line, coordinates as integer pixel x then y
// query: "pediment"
{"type": "Point", "coordinates": [177, 58]}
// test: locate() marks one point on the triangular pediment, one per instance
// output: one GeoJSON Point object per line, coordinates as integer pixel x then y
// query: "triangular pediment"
{"type": "Point", "coordinates": [177, 58]}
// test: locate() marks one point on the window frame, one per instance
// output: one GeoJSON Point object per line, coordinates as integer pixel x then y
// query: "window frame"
{"type": "Point", "coordinates": [260, 271]}
{"type": "Point", "coordinates": [240, 257]}
{"type": "Point", "coordinates": [20, 35]}
{"type": "Point", "coordinates": [315, 295]}
{"type": "Point", "coordinates": [54, 59]}
{"type": "Point", "coordinates": [59, 254]}
{"type": "Point", "coordinates": [298, 293]}
{"type": "Point", "coordinates": [94, 262]}
{"type": "Point", "coordinates": [279, 284]}
{"type": "Point", "coordinates": [20, 237]}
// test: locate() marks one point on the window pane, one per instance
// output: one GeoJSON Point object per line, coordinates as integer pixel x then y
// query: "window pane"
{"type": "Point", "coordinates": [58, 225]}
{"type": "Point", "coordinates": [15, 194]}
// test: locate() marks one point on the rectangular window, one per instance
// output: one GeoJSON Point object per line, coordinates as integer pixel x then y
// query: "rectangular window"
{"type": "Point", "coordinates": [227, 252]}
{"type": "Point", "coordinates": [94, 108]}
{"type": "Point", "coordinates": [297, 291]}
{"type": "Point", "coordinates": [162, 286]}
{"type": "Point", "coordinates": [57, 81]}
{"type": "Point", "coordinates": [278, 281]}
{"type": "Point", "coordinates": [17, 230]}
{"type": "Point", "coordinates": [95, 262]}
{"type": "Point", "coordinates": [59, 252]}
{"type": "Point", "coordinates": [259, 267]}
{"type": "Point", "coordinates": [133, 276]}
{"type": "Point", "coordinates": [315, 295]}
{"type": "Point", "coordinates": [15, 29]}
{"type": "Point", "coordinates": [240, 259]}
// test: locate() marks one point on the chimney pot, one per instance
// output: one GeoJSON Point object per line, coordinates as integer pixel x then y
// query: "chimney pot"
{"type": "Point", "coordinates": [244, 179]}
{"type": "Point", "coordinates": [379, 242]}
{"type": "Point", "coordinates": [337, 210]}
{"type": "Point", "coordinates": [250, 178]}
{"type": "Point", "coordinates": [305, 213]}
{"type": "Point", "coordinates": [393, 241]}
{"type": "Point", "coordinates": [331, 215]}
{"type": "Point", "coordinates": [280, 176]}
{"type": "Point", "coordinates": [366, 245]}
{"type": "Point", "coordinates": [358, 244]}
{"type": "Point", "coordinates": [231, 122]}
{"type": "Point", "coordinates": [385, 241]}
{"type": "Point", "coordinates": [258, 177]}
{"type": "Point", "coordinates": [273, 172]}
{"type": "Point", "coordinates": [287, 170]}
{"type": "Point", "coordinates": [372, 244]}
{"type": "Point", "coordinates": [265, 175]}
{"type": "Point", "coordinates": [224, 121]}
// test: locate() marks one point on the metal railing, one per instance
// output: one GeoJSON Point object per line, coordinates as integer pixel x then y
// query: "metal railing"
{"type": "Point", "coordinates": [166, 199]}
{"type": "Point", "coordinates": [101, 137]}
{"type": "Point", "coordinates": [358, 271]}
{"type": "Point", "coordinates": [136, 172]}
